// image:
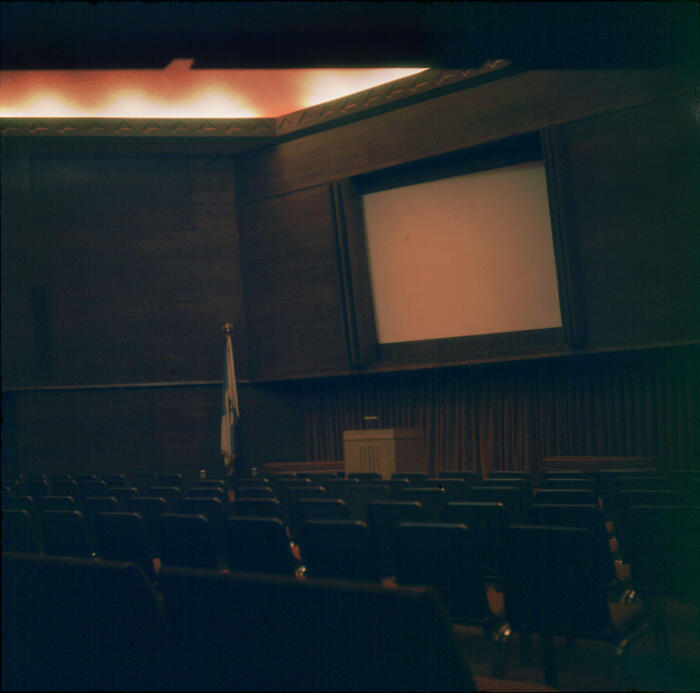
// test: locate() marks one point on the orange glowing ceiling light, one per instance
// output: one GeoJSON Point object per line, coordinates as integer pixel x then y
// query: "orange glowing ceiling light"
{"type": "Point", "coordinates": [180, 92]}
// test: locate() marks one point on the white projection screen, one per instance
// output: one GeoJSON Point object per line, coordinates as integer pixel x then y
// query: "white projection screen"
{"type": "Point", "coordinates": [466, 255]}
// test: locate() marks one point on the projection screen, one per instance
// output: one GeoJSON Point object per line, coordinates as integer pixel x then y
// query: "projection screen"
{"type": "Point", "coordinates": [466, 255]}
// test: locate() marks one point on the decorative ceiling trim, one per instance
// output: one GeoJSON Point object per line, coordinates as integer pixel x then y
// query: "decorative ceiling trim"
{"type": "Point", "coordinates": [364, 102]}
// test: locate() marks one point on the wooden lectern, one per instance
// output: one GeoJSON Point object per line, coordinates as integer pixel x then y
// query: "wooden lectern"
{"type": "Point", "coordinates": [384, 451]}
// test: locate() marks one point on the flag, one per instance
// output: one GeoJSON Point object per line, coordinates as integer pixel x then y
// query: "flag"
{"type": "Point", "coordinates": [229, 410]}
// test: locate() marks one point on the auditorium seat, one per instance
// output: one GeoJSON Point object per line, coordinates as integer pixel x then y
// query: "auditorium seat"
{"type": "Point", "coordinates": [456, 489]}
{"type": "Point", "coordinates": [171, 479]}
{"type": "Point", "coordinates": [564, 496]}
{"type": "Point", "coordinates": [588, 517]}
{"type": "Point", "coordinates": [339, 549]}
{"type": "Point", "coordinates": [553, 586]}
{"type": "Point", "coordinates": [258, 507]}
{"type": "Point", "coordinates": [143, 481]}
{"type": "Point", "coordinates": [488, 523]}
{"type": "Point", "coordinates": [91, 488]}
{"type": "Point", "coordinates": [71, 624]}
{"type": "Point", "coordinates": [114, 480]}
{"type": "Point", "coordinates": [36, 488]}
{"type": "Point", "coordinates": [122, 536]}
{"type": "Point", "coordinates": [432, 500]}
{"type": "Point", "coordinates": [19, 532]}
{"type": "Point", "coordinates": [364, 477]}
{"type": "Point", "coordinates": [322, 509]}
{"type": "Point", "coordinates": [58, 503]}
{"type": "Point", "coordinates": [215, 512]}
{"type": "Point", "coordinates": [23, 503]}
{"type": "Point", "coordinates": [339, 488]}
{"type": "Point", "coordinates": [97, 504]}
{"type": "Point", "coordinates": [150, 509]}
{"type": "Point", "coordinates": [568, 484]}
{"type": "Point", "coordinates": [444, 556]}
{"type": "Point", "coordinates": [67, 487]}
{"type": "Point", "coordinates": [171, 494]}
{"type": "Point", "coordinates": [509, 496]}
{"type": "Point", "coordinates": [471, 478]}
{"type": "Point", "coordinates": [212, 492]}
{"type": "Point", "coordinates": [360, 495]}
{"type": "Point", "coordinates": [382, 519]}
{"type": "Point", "coordinates": [124, 496]}
{"type": "Point", "coordinates": [293, 495]}
{"type": "Point", "coordinates": [259, 545]}
{"type": "Point", "coordinates": [414, 478]}
{"type": "Point", "coordinates": [188, 541]}
{"type": "Point", "coordinates": [254, 492]}
{"type": "Point", "coordinates": [396, 486]}
{"type": "Point", "coordinates": [509, 474]}
{"type": "Point", "coordinates": [65, 533]}
{"type": "Point", "coordinates": [254, 632]}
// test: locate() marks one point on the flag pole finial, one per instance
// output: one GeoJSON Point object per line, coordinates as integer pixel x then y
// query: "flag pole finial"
{"type": "Point", "coordinates": [227, 327]}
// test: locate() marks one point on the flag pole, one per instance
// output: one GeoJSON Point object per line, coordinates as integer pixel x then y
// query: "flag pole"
{"type": "Point", "coordinates": [230, 410]}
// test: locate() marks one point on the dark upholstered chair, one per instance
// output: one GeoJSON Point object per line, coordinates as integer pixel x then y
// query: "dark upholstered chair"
{"type": "Point", "coordinates": [19, 532]}
{"type": "Point", "coordinates": [339, 549]}
{"type": "Point", "coordinates": [259, 545]}
{"type": "Point", "coordinates": [65, 533]}
{"type": "Point", "coordinates": [258, 507]}
{"type": "Point", "coordinates": [76, 624]}
{"type": "Point", "coordinates": [253, 632]}
{"type": "Point", "coordinates": [188, 541]}
{"type": "Point", "coordinates": [383, 517]}
{"type": "Point", "coordinates": [554, 586]}
{"type": "Point", "coordinates": [122, 537]}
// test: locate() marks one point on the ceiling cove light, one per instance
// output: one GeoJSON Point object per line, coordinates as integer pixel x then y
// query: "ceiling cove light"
{"type": "Point", "coordinates": [180, 92]}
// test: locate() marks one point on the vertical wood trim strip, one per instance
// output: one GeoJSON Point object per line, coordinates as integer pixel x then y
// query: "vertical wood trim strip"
{"type": "Point", "coordinates": [566, 262]}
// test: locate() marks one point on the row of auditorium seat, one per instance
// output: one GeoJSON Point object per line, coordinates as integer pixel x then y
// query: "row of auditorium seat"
{"type": "Point", "coordinates": [414, 531]}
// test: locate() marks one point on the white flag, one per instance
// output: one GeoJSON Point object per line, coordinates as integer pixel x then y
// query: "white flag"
{"type": "Point", "coordinates": [229, 410]}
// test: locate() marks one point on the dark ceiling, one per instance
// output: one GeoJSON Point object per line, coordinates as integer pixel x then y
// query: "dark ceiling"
{"type": "Point", "coordinates": [72, 35]}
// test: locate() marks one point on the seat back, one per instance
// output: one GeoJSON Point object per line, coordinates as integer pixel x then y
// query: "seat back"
{"type": "Point", "coordinates": [566, 496]}
{"type": "Point", "coordinates": [456, 489]}
{"type": "Point", "coordinates": [488, 524]}
{"type": "Point", "coordinates": [664, 549]}
{"type": "Point", "coordinates": [364, 477]}
{"type": "Point", "coordinates": [214, 510]}
{"type": "Point", "coordinates": [150, 509]}
{"type": "Point", "coordinates": [171, 480]}
{"type": "Point", "coordinates": [339, 488]}
{"type": "Point", "coordinates": [321, 509]}
{"type": "Point", "coordinates": [471, 478]}
{"type": "Point", "coordinates": [36, 488]}
{"type": "Point", "coordinates": [122, 537]}
{"type": "Point", "coordinates": [259, 545]}
{"type": "Point", "coordinates": [171, 494]}
{"type": "Point", "coordinates": [443, 556]}
{"type": "Point", "coordinates": [568, 484]}
{"type": "Point", "coordinates": [97, 504]}
{"type": "Point", "coordinates": [58, 503]}
{"type": "Point", "coordinates": [383, 517]}
{"type": "Point", "coordinates": [124, 496]}
{"type": "Point", "coordinates": [254, 632]}
{"type": "Point", "coordinates": [114, 480]}
{"type": "Point", "coordinates": [360, 495]}
{"type": "Point", "coordinates": [71, 624]}
{"type": "Point", "coordinates": [143, 481]}
{"type": "Point", "coordinates": [432, 500]}
{"type": "Point", "coordinates": [414, 478]}
{"type": "Point", "coordinates": [92, 488]}
{"type": "Point", "coordinates": [552, 582]}
{"type": "Point", "coordinates": [509, 496]}
{"type": "Point", "coordinates": [339, 549]}
{"type": "Point", "coordinates": [19, 532]}
{"type": "Point", "coordinates": [292, 496]}
{"type": "Point", "coordinates": [66, 487]}
{"type": "Point", "coordinates": [254, 492]}
{"type": "Point", "coordinates": [187, 541]}
{"type": "Point", "coordinates": [65, 533]}
{"type": "Point", "coordinates": [589, 517]}
{"type": "Point", "coordinates": [258, 507]}
{"type": "Point", "coordinates": [509, 474]}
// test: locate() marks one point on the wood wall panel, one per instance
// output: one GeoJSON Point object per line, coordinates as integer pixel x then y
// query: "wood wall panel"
{"type": "Point", "coordinates": [633, 183]}
{"type": "Point", "coordinates": [141, 263]}
{"type": "Point", "coordinates": [290, 268]}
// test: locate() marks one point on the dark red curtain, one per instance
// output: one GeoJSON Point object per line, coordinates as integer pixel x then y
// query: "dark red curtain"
{"type": "Point", "coordinates": [509, 416]}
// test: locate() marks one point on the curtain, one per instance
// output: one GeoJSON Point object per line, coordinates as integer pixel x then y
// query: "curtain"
{"type": "Point", "coordinates": [510, 416]}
